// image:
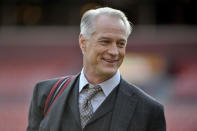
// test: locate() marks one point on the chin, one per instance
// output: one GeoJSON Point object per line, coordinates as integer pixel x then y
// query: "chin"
{"type": "Point", "coordinates": [109, 72]}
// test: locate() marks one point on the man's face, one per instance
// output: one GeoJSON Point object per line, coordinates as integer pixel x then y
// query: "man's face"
{"type": "Point", "coordinates": [105, 50]}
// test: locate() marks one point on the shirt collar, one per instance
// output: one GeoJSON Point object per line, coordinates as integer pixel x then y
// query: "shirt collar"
{"type": "Point", "coordinates": [107, 86]}
{"type": "Point", "coordinates": [82, 81]}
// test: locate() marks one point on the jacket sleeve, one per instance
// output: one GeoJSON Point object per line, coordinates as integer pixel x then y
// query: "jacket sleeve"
{"type": "Point", "coordinates": [35, 111]}
{"type": "Point", "coordinates": [157, 122]}
{"type": "Point", "coordinates": [40, 94]}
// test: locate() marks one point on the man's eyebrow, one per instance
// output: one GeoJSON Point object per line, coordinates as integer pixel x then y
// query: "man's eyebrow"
{"type": "Point", "coordinates": [104, 37]}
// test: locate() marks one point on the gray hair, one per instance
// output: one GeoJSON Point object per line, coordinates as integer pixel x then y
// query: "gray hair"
{"type": "Point", "coordinates": [87, 20]}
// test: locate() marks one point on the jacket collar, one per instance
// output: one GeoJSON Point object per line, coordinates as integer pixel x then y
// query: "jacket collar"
{"type": "Point", "coordinates": [124, 108]}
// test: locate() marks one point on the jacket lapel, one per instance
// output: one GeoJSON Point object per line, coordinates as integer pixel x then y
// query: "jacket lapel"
{"type": "Point", "coordinates": [53, 118]}
{"type": "Point", "coordinates": [105, 107]}
{"type": "Point", "coordinates": [73, 103]}
{"type": "Point", "coordinates": [124, 108]}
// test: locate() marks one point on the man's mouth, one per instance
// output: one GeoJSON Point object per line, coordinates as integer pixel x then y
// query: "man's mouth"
{"type": "Point", "coordinates": [111, 60]}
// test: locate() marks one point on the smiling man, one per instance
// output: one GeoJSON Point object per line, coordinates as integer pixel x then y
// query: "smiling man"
{"type": "Point", "coordinates": [98, 98]}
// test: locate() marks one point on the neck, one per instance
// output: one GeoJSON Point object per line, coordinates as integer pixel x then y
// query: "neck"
{"type": "Point", "coordinates": [94, 78]}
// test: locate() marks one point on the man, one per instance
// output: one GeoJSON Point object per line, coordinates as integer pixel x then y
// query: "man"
{"type": "Point", "coordinates": [98, 99]}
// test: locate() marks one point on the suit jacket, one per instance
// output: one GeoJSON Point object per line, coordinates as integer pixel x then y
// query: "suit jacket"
{"type": "Point", "coordinates": [133, 110]}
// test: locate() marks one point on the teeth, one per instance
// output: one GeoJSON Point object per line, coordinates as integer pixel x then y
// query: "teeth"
{"type": "Point", "coordinates": [111, 60]}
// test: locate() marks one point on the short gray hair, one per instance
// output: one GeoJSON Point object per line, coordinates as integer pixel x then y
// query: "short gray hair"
{"type": "Point", "coordinates": [87, 20]}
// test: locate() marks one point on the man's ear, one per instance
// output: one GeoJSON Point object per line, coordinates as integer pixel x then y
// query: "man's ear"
{"type": "Point", "coordinates": [82, 43]}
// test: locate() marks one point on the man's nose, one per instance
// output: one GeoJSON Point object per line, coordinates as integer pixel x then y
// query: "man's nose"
{"type": "Point", "coordinates": [113, 50]}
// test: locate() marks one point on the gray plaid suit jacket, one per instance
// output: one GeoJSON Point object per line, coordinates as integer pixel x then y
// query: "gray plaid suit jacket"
{"type": "Point", "coordinates": [134, 110]}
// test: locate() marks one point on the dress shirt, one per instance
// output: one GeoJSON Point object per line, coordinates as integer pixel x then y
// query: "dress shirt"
{"type": "Point", "coordinates": [107, 86]}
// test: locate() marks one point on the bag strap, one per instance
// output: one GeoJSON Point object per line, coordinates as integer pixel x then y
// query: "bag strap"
{"type": "Point", "coordinates": [55, 92]}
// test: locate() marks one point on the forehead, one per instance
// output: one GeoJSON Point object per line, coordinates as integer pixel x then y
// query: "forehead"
{"type": "Point", "coordinates": [111, 26]}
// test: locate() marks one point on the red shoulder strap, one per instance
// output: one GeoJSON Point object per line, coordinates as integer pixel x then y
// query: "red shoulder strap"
{"type": "Point", "coordinates": [55, 92]}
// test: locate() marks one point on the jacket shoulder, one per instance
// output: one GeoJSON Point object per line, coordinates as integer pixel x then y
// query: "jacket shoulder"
{"type": "Point", "coordinates": [47, 83]}
{"type": "Point", "coordinates": [142, 96]}
{"type": "Point", "coordinates": [148, 111]}
{"type": "Point", "coordinates": [45, 86]}
{"type": "Point", "coordinates": [42, 90]}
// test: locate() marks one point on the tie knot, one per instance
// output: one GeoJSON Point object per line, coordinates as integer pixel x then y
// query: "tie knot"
{"type": "Point", "coordinates": [89, 92]}
{"type": "Point", "coordinates": [92, 87]}
{"type": "Point", "coordinates": [92, 90]}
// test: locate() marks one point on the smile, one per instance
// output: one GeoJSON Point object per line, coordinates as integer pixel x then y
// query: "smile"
{"type": "Point", "coordinates": [110, 61]}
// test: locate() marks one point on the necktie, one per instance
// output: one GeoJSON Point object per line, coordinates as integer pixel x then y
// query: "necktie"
{"type": "Point", "coordinates": [85, 107]}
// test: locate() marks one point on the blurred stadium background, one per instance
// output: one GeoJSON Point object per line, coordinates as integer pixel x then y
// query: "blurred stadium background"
{"type": "Point", "coordinates": [39, 40]}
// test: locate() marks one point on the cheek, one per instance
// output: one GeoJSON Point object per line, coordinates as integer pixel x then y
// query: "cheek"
{"type": "Point", "coordinates": [96, 52]}
{"type": "Point", "coordinates": [122, 52]}
{"type": "Point", "coordinates": [93, 56]}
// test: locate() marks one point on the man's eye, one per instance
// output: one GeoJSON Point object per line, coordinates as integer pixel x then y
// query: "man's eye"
{"type": "Point", "coordinates": [121, 44]}
{"type": "Point", "coordinates": [106, 41]}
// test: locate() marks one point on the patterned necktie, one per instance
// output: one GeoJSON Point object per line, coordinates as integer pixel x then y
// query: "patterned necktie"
{"type": "Point", "coordinates": [85, 107]}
